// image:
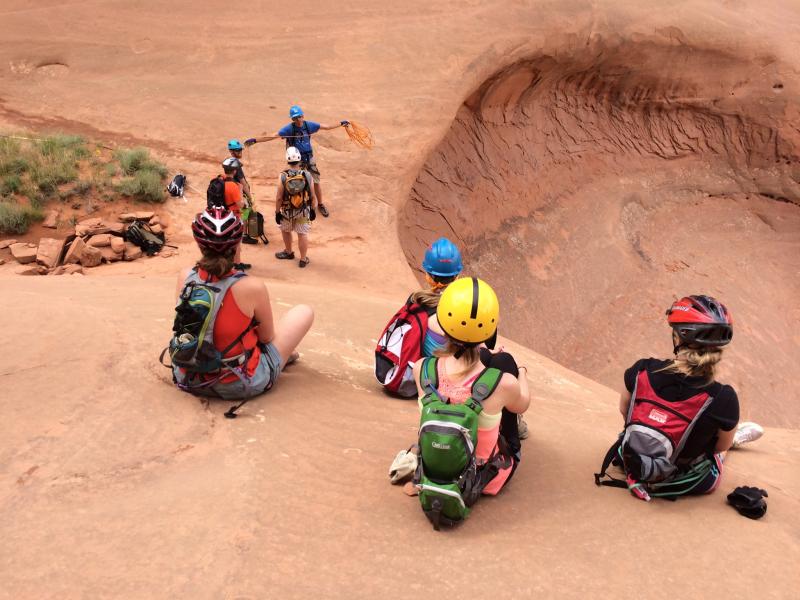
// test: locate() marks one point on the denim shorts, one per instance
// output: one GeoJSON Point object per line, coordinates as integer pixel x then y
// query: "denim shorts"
{"type": "Point", "coordinates": [264, 377]}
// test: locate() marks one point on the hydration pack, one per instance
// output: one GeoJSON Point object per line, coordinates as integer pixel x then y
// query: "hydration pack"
{"type": "Point", "coordinates": [295, 189]}
{"type": "Point", "coordinates": [400, 346]}
{"type": "Point", "coordinates": [177, 185]}
{"type": "Point", "coordinates": [192, 344]}
{"type": "Point", "coordinates": [253, 226]}
{"type": "Point", "coordinates": [215, 194]}
{"type": "Point", "coordinates": [655, 434]}
{"type": "Point", "coordinates": [141, 234]}
{"type": "Point", "coordinates": [448, 477]}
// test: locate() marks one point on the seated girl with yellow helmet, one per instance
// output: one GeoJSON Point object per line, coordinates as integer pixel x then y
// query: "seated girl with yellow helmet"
{"type": "Point", "coordinates": [468, 313]}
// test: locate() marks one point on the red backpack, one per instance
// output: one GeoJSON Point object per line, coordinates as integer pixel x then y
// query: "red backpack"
{"type": "Point", "coordinates": [655, 433]}
{"type": "Point", "coordinates": [400, 346]}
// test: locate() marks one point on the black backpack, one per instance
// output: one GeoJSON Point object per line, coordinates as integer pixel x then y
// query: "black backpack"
{"type": "Point", "coordinates": [175, 187]}
{"type": "Point", "coordinates": [215, 195]}
{"type": "Point", "coordinates": [140, 234]}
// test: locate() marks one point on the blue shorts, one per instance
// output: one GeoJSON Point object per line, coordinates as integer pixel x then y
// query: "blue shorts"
{"type": "Point", "coordinates": [264, 377]}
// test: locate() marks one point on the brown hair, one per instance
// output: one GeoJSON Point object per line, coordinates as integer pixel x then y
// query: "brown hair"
{"type": "Point", "coordinates": [426, 298]}
{"type": "Point", "coordinates": [216, 264]}
{"type": "Point", "coordinates": [695, 362]}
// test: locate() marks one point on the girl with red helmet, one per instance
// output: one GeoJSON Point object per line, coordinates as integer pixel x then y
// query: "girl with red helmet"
{"type": "Point", "coordinates": [682, 395]}
{"type": "Point", "coordinates": [267, 346]}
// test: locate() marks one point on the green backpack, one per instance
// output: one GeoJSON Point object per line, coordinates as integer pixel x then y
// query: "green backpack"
{"type": "Point", "coordinates": [448, 478]}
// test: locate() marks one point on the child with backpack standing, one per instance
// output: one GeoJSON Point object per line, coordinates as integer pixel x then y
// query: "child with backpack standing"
{"type": "Point", "coordinates": [235, 148]}
{"type": "Point", "coordinates": [679, 421]}
{"type": "Point", "coordinates": [224, 192]}
{"type": "Point", "coordinates": [298, 134]}
{"type": "Point", "coordinates": [295, 207]}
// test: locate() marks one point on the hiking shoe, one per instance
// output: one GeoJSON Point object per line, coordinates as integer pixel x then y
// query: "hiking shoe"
{"type": "Point", "coordinates": [522, 428]}
{"type": "Point", "coordinates": [304, 262]}
{"type": "Point", "coordinates": [284, 255]}
{"type": "Point", "coordinates": [324, 210]}
{"type": "Point", "coordinates": [747, 432]}
{"type": "Point", "coordinates": [242, 266]}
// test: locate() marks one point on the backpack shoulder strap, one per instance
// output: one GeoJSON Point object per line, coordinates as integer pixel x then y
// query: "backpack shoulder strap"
{"type": "Point", "coordinates": [429, 376]}
{"type": "Point", "coordinates": [633, 397]}
{"type": "Point", "coordinates": [483, 387]}
{"type": "Point", "coordinates": [220, 288]}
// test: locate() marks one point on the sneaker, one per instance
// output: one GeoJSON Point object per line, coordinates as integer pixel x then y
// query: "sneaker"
{"type": "Point", "coordinates": [522, 428]}
{"type": "Point", "coordinates": [324, 211]}
{"type": "Point", "coordinates": [747, 432]}
{"type": "Point", "coordinates": [284, 255]}
{"type": "Point", "coordinates": [242, 266]}
{"type": "Point", "coordinates": [304, 262]}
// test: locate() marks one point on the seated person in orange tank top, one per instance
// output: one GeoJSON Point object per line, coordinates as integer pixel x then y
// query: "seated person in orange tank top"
{"type": "Point", "coordinates": [244, 330]}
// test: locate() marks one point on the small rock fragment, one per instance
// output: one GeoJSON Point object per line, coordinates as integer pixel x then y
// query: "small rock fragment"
{"type": "Point", "coordinates": [109, 255]}
{"type": "Point", "coordinates": [75, 251]}
{"type": "Point", "coordinates": [32, 270]}
{"type": "Point", "coordinates": [117, 244]}
{"type": "Point", "coordinates": [6, 243]}
{"type": "Point", "coordinates": [91, 256]}
{"type": "Point", "coordinates": [23, 253]}
{"type": "Point", "coordinates": [100, 240]}
{"type": "Point", "coordinates": [49, 252]}
{"type": "Point", "coordinates": [51, 220]}
{"type": "Point", "coordinates": [132, 251]}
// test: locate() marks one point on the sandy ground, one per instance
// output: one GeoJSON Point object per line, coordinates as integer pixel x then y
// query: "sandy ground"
{"type": "Point", "coordinates": [113, 484]}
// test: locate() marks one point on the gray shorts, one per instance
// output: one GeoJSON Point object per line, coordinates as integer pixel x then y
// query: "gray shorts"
{"type": "Point", "coordinates": [263, 378]}
{"type": "Point", "coordinates": [311, 167]}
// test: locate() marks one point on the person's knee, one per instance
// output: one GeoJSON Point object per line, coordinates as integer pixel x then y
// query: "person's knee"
{"type": "Point", "coordinates": [304, 314]}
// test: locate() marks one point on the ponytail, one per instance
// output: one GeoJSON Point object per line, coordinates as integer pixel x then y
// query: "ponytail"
{"type": "Point", "coordinates": [695, 362]}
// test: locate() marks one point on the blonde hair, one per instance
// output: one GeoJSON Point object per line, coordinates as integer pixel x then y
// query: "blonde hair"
{"type": "Point", "coordinates": [426, 298]}
{"type": "Point", "coordinates": [695, 362]}
{"type": "Point", "coordinates": [470, 354]}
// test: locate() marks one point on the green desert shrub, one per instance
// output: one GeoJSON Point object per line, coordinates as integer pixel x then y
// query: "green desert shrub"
{"type": "Point", "coordinates": [10, 184]}
{"type": "Point", "coordinates": [17, 218]}
{"type": "Point", "coordinates": [146, 185]}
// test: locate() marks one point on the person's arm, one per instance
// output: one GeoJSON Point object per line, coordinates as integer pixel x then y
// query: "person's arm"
{"type": "Point", "coordinates": [624, 403]}
{"type": "Point", "coordinates": [263, 138]}
{"type": "Point", "coordinates": [262, 311]}
{"type": "Point", "coordinates": [724, 440]}
{"type": "Point", "coordinates": [279, 195]}
{"type": "Point", "coordinates": [246, 188]}
{"type": "Point", "coordinates": [519, 398]}
{"type": "Point", "coordinates": [310, 185]}
{"type": "Point", "coordinates": [329, 127]}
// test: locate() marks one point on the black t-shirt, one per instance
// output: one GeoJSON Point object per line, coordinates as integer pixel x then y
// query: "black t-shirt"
{"type": "Point", "coordinates": [722, 413]}
{"type": "Point", "coordinates": [238, 177]}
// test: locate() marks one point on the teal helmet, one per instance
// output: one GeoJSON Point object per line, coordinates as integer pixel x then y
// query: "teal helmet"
{"type": "Point", "coordinates": [295, 112]}
{"type": "Point", "coordinates": [235, 145]}
{"type": "Point", "coordinates": [442, 259]}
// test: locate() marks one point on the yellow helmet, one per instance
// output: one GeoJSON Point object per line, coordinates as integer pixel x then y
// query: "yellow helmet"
{"type": "Point", "coordinates": [468, 310]}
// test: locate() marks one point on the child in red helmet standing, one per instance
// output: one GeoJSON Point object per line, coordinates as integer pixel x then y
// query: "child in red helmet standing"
{"type": "Point", "coordinates": [298, 134]}
{"type": "Point", "coordinates": [680, 421]}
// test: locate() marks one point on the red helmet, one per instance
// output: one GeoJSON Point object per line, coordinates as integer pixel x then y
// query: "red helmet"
{"type": "Point", "coordinates": [217, 229]}
{"type": "Point", "coordinates": [701, 320]}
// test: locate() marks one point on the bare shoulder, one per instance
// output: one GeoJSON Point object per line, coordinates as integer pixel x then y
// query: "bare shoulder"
{"type": "Point", "coordinates": [250, 285]}
{"type": "Point", "coordinates": [508, 386]}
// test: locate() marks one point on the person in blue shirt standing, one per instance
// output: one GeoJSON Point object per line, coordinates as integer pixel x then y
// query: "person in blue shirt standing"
{"type": "Point", "coordinates": [298, 134]}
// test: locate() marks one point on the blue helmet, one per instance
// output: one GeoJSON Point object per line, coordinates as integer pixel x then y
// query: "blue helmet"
{"type": "Point", "coordinates": [235, 145]}
{"type": "Point", "coordinates": [442, 259]}
{"type": "Point", "coordinates": [295, 111]}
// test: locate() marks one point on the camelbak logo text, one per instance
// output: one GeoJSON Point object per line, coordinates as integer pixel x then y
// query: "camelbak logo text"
{"type": "Point", "coordinates": [658, 416]}
{"type": "Point", "coordinates": [440, 446]}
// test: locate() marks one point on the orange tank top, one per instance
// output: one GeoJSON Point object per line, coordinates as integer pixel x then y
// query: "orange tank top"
{"type": "Point", "coordinates": [230, 323]}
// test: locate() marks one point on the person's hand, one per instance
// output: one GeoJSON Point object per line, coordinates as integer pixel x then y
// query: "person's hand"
{"type": "Point", "coordinates": [249, 141]}
{"type": "Point", "coordinates": [278, 217]}
{"type": "Point", "coordinates": [344, 123]}
{"type": "Point", "coordinates": [312, 214]}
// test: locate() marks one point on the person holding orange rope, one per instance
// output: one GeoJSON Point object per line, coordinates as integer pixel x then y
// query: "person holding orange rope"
{"type": "Point", "coordinates": [298, 134]}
